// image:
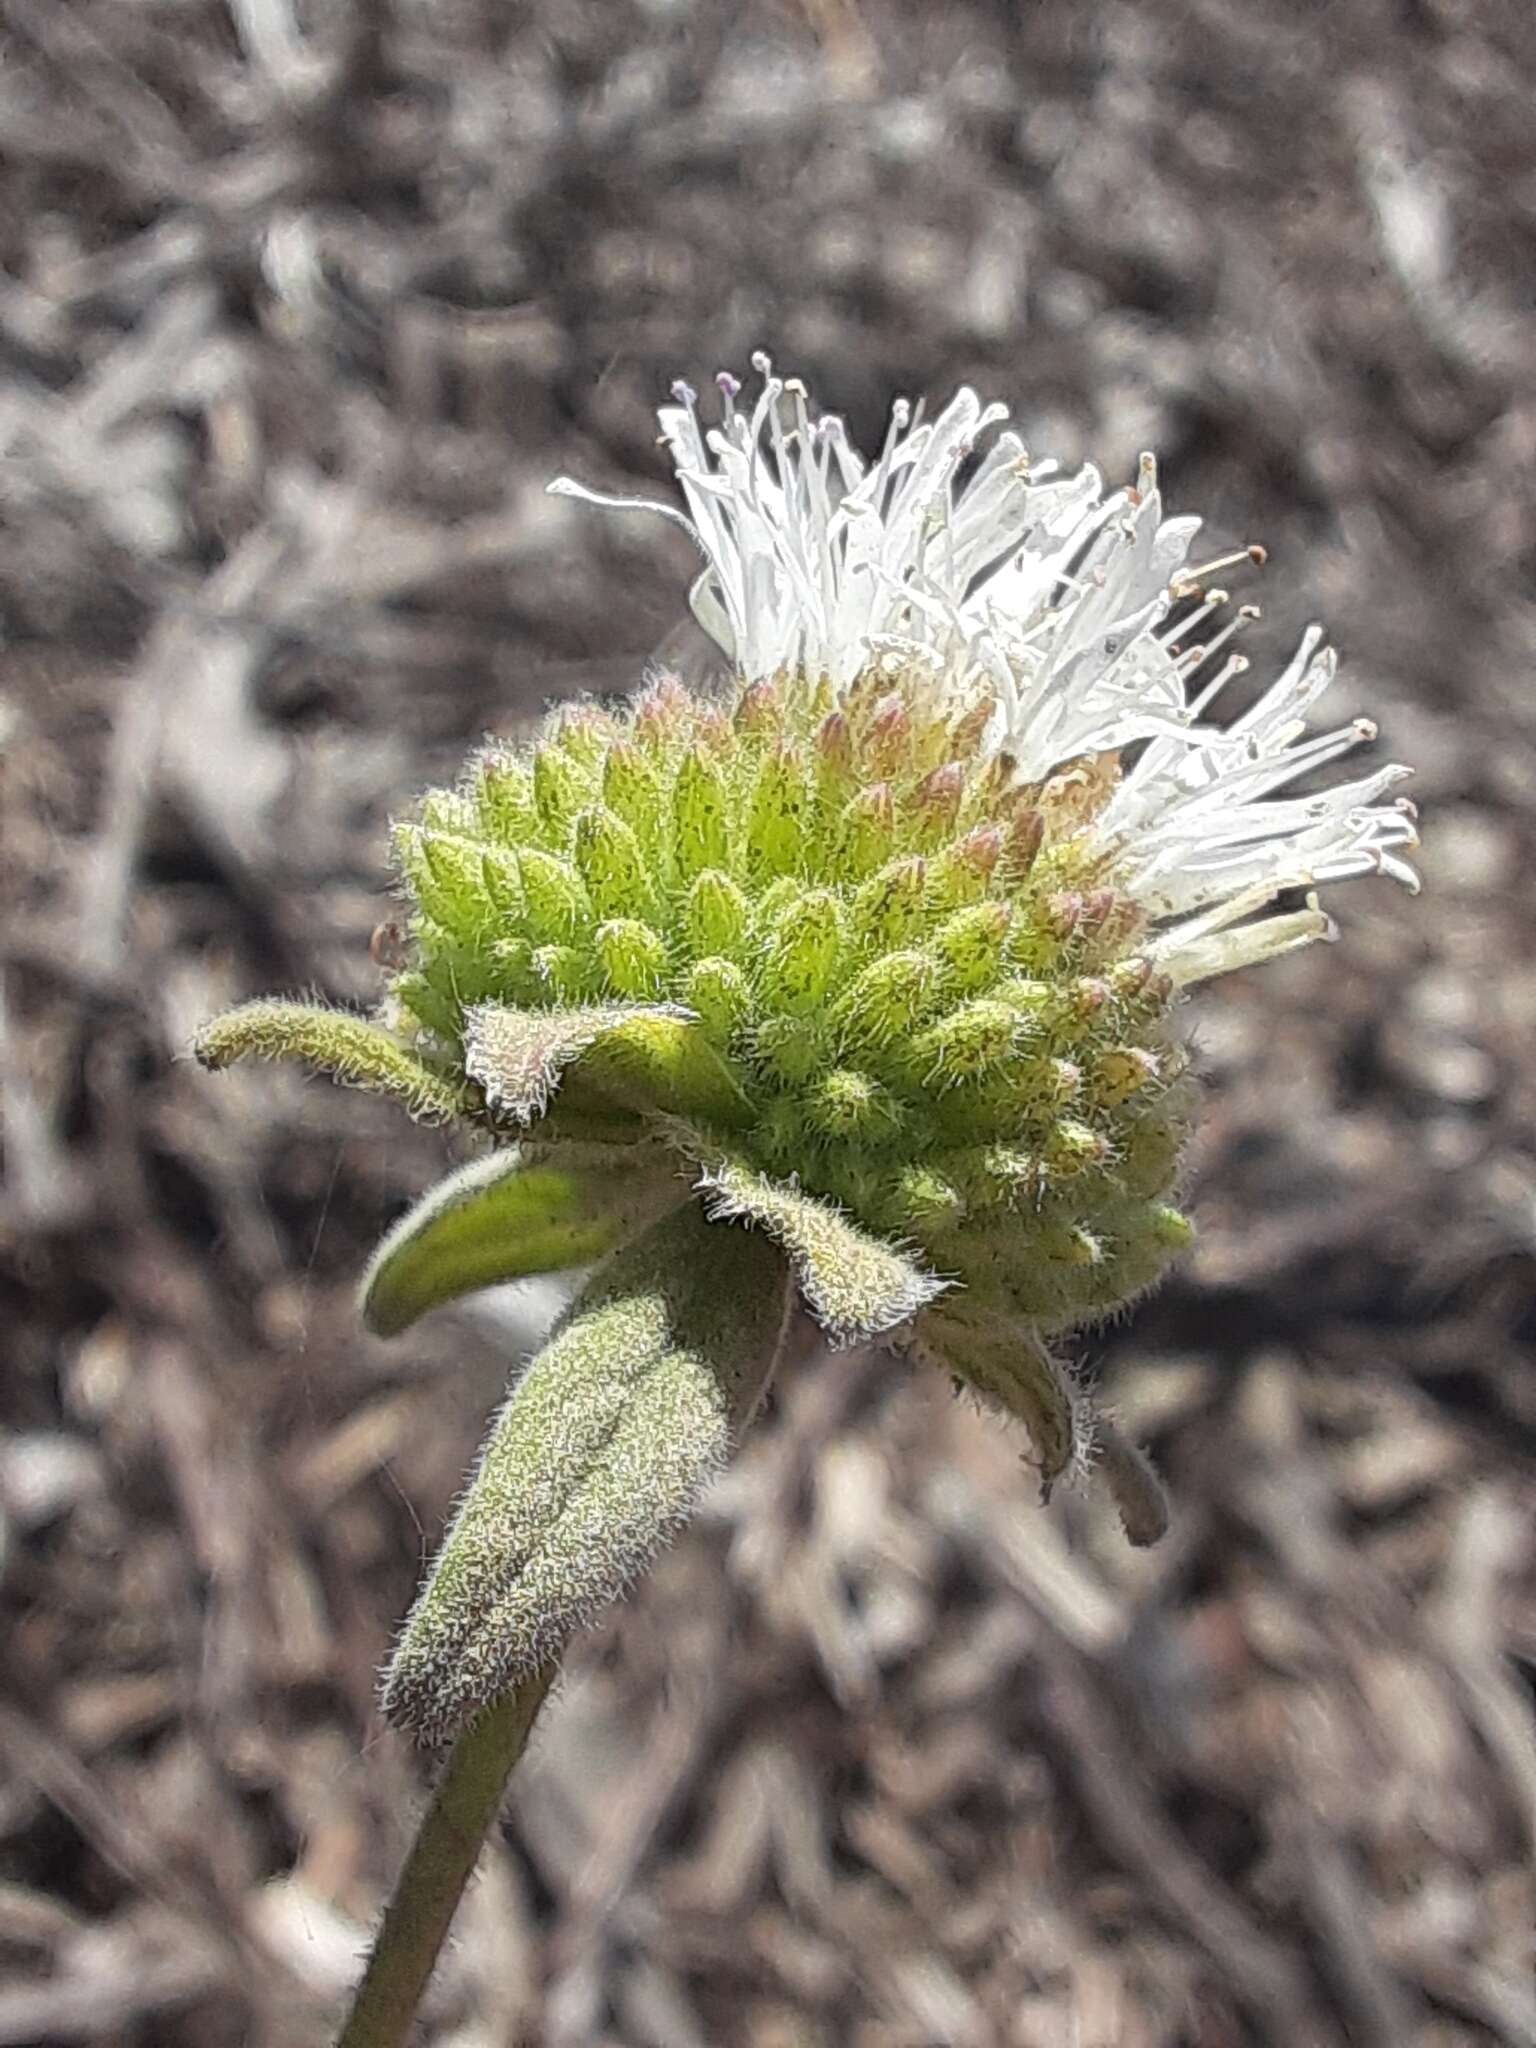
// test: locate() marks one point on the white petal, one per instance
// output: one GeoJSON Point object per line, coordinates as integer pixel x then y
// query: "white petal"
{"type": "Point", "coordinates": [990, 574]}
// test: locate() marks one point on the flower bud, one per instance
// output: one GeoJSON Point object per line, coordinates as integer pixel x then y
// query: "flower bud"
{"type": "Point", "coordinates": [832, 773]}
{"type": "Point", "coordinates": [776, 814]}
{"type": "Point", "coordinates": [586, 733]}
{"type": "Point", "coordinates": [757, 709]}
{"type": "Point", "coordinates": [803, 951]}
{"type": "Point", "coordinates": [891, 908]}
{"type": "Point", "coordinates": [974, 1040]}
{"type": "Point", "coordinates": [888, 737]}
{"type": "Point", "coordinates": [1025, 835]}
{"type": "Point", "coordinates": [1130, 978]}
{"type": "Point", "coordinates": [716, 991]}
{"type": "Point", "coordinates": [1064, 913]}
{"type": "Point", "coordinates": [866, 830]}
{"type": "Point", "coordinates": [970, 945]}
{"type": "Point", "coordinates": [1149, 1156]}
{"type": "Point", "coordinates": [925, 1202]}
{"type": "Point", "coordinates": [564, 973]}
{"type": "Point", "coordinates": [445, 876]}
{"type": "Point", "coordinates": [968, 728]}
{"type": "Point", "coordinates": [700, 815]}
{"type": "Point", "coordinates": [884, 1001]}
{"type": "Point", "coordinates": [664, 713]}
{"type": "Point", "coordinates": [610, 863]}
{"type": "Point", "coordinates": [1124, 1071]}
{"type": "Point", "coordinates": [936, 803]}
{"type": "Point", "coordinates": [501, 790]}
{"type": "Point", "coordinates": [1071, 1147]}
{"type": "Point", "coordinates": [790, 1049]}
{"type": "Point", "coordinates": [562, 785]}
{"type": "Point", "coordinates": [632, 790]}
{"type": "Point", "coordinates": [557, 902]}
{"type": "Point", "coordinates": [716, 915]}
{"type": "Point", "coordinates": [847, 1104]}
{"type": "Point", "coordinates": [962, 872]}
{"type": "Point", "coordinates": [634, 958]}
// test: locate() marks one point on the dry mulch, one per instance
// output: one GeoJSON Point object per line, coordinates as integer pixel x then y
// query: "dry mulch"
{"type": "Point", "coordinates": [299, 306]}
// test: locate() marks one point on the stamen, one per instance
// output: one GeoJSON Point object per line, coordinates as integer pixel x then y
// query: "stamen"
{"type": "Point", "coordinates": [1235, 665]}
{"type": "Point", "coordinates": [1216, 642]}
{"type": "Point", "coordinates": [1188, 583]}
{"type": "Point", "coordinates": [1065, 602]}
{"type": "Point", "coordinates": [1136, 494]}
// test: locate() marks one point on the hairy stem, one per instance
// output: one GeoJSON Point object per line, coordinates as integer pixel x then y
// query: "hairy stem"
{"type": "Point", "coordinates": [445, 1851]}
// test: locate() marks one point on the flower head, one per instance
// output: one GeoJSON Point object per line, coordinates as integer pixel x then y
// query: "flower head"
{"type": "Point", "coordinates": [1072, 609]}
{"type": "Point", "coordinates": [842, 997]}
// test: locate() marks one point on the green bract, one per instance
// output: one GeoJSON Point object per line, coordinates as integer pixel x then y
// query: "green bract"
{"type": "Point", "coordinates": [827, 974]}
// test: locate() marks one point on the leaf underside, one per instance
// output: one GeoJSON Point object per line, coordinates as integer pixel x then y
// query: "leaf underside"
{"type": "Point", "coordinates": [1006, 1363]}
{"type": "Point", "coordinates": [509, 1216]}
{"type": "Point", "coordinates": [653, 1058]}
{"type": "Point", "coordinates": [1133, 1485]}
{"type": "Point", "coordinates": [856, 1286]}
{"type": "Point", "coordinates": [596, 1459]}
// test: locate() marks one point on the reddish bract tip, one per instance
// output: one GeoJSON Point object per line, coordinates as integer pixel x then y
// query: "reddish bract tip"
{"type": "Point", "coordinates": [937, 796]}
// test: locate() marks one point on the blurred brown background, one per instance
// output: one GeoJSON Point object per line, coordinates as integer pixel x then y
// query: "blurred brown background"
{"type": "Point", "coordinates": [300, 303]}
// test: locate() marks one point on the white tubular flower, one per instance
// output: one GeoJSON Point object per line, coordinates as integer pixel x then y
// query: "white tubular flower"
{"type": "Point", "coordinates": [1073, 608]}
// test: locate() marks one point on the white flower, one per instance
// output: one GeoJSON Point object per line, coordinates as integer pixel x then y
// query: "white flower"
{"type": "Point", "coordinates": [1073, 607]}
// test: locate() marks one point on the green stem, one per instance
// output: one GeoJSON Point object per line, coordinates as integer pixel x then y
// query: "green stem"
{"type": "Point", "coordinates": [445, 1851]}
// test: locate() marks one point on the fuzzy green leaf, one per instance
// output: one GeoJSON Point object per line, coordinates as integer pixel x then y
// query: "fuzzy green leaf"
{"type": "Point", "coordinates": [653, 1058]}
{"type": "Point", "coordinates": [336, 1042]}
{"type": "Point", "coordinates": [1001, 1358]}
{"type": "Point", "coordinates": [506, 1217]}
{"type": "Point", "coordinates": [855, 1285]}
{"type": "Point", "coordinates": [595, 1461]}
